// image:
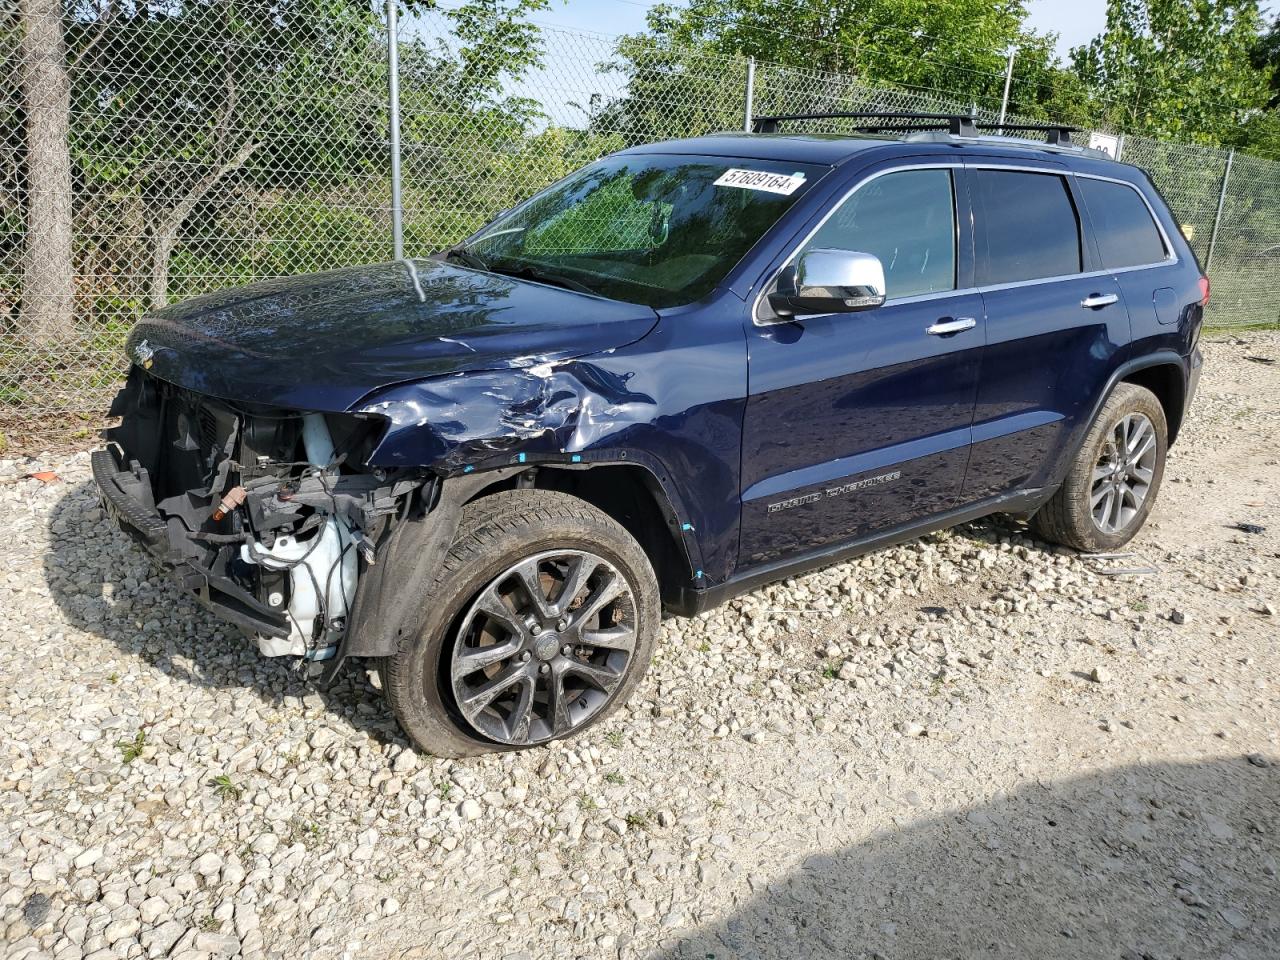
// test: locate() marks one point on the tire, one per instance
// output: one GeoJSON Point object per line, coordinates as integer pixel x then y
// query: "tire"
{"type": "Point", "coordinates": [1069, 516]}
{"type": "Point", "coordinates": [500, 540]}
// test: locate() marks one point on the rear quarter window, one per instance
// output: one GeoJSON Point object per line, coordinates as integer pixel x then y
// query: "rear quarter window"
{"type": "Point", "coordinates": [1122, 224]}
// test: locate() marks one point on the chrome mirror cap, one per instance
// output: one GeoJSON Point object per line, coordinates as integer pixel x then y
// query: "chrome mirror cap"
{"type": "Point", "coordinates": [829, 281]}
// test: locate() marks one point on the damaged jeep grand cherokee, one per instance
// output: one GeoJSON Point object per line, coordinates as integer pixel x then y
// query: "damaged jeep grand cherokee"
{"type": "Point", "coordinates": [682, 371]}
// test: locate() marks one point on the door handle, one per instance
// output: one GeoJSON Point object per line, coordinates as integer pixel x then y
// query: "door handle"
{"type": "Point", "coordinates": [946, 328]}
{"type": "Point", "coordinates": [1093, 301]}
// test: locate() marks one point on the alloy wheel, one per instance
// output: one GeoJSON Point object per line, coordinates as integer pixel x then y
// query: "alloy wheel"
{"type": "Point", "coordinates": [1123, 474]}
{"type": "Point", "coordinates": [543, 647]}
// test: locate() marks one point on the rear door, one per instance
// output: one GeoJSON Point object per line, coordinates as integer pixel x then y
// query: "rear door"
{"type": "Point", "coordinates": [859, 422]}
{"type": "Point", "coordinates": [1054, 321]}
{"type": "Point", "coordinates": [1134, 248]}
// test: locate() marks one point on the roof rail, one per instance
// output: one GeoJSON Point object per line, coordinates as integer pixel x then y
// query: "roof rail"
{"type": "Point", "coordinates": [954, 124]}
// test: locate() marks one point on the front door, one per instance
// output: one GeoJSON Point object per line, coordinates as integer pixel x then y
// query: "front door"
{"type": "Point", "coordinates": [859, 422]}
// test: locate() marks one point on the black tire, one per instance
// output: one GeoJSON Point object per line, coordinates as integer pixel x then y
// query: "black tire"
{"type": "Point", "coordinates": [1068, 516]}
{"type": "Point", "coordinates": [496, 533]}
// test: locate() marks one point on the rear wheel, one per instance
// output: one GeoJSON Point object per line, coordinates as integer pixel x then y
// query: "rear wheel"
{"type": "Point", "coordinates": [541, 623]}
{"type": "Point", "coordinates": [1112, 484]}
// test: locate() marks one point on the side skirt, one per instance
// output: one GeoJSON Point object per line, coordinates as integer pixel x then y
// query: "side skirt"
{"type": "Point", "coordinates": [690, 602]}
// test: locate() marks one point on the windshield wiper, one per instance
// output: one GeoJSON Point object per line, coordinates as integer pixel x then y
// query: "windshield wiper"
{"type": "Point", "coordinates": [466, 257]}
{"type": "Point", "coordinates": [463, 255]}
{"type": "Point", "coordinates": [542, 276]}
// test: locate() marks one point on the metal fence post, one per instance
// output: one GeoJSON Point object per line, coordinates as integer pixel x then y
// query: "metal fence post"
{"type": "Point", "coordinates": [1120, 148]}
{"type": "Point", "coordinates": [1217, 217]}
{"type": "Point", "coordinates": [751, 93]}
{"type": "Point", "coordinates": [393, 70]}
{"type": "Point", "coordinates": [1008, 79]}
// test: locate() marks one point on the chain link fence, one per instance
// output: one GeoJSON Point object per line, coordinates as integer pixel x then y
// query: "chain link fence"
{"type": "Point", "coordinates": [150, 153]}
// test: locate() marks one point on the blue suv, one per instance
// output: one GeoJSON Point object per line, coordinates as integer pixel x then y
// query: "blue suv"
{"type": "Point", "coordinates": [685, 370]}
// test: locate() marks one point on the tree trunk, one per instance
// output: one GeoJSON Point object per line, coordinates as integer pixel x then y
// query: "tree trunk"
{"type": "Point", "coordinates": [165, 233]}
{"type": "Point", "coordinates": [48, 282]}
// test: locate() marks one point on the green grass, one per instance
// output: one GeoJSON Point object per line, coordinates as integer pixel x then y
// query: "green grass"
{"type": "Point", "coordinates": [310, 834]}
{"type": "Point", "coordinates": [639, 819]}
{"type": "Point", "coordinates": [226, 788]}
{"type": "Point", "coordinates": [1228, 328]}
{"type": "Point", "coordinates": [131, 750]}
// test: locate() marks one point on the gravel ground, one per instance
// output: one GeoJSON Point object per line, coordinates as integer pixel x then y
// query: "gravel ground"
{"type": "Point", "coordinates": [972, 745]}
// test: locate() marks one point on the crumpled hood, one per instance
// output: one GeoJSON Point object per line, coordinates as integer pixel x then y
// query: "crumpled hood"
{"type": "Point", "coordinates": [321, 342]}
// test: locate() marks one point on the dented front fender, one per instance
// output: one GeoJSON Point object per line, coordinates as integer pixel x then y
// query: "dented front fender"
{"type": "Point", "coordinates": [671, 402]}
{"type": "Point", "coordinates": [483, 420]}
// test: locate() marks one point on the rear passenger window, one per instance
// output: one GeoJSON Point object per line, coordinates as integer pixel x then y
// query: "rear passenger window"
{"type": "Point", "coordinates": [1122, 224]}
{"type": "Point", "coordinates": [1028, 228]}
{"type": "Point", "coordinates": [906, 219]}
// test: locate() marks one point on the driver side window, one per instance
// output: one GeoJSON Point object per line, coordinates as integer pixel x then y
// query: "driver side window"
{"type": "Point", "coordinates": [908, 220]}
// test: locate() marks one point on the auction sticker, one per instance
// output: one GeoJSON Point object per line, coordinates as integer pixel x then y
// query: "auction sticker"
{"type": "Point", "coordinates": [783, 183]}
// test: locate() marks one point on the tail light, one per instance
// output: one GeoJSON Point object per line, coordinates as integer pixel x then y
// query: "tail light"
{"type": "Point", "coordinates": [1204, 291]}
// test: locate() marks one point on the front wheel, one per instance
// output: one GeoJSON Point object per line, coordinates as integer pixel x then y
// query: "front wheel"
{"type": "Point", "coordinates": [1112, 484]}
{"type": "Point", "coordinates": [541, 623]}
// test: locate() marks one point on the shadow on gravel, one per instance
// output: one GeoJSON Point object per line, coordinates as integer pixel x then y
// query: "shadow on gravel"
{"type": "Point", "coordinates": [1142, 863]}
{"type": "Point", "coordinates": [105, 584]}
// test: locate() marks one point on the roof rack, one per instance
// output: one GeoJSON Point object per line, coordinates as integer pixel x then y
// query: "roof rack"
{"type": "Point", "coordinates": [954, 124]}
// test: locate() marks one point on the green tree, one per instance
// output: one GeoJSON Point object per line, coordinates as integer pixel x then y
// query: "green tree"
{"type": "Point", "coordinates": [1266, 57]}
{"type": "Point", "coordinates": [673, 89]}
{"type": "Point", "coordinates": [953, 51]}
{"type": "Point", "coordinates": [215, 119]}
{"type": "Point", "coordinates": [1177, 69]}
{"type": "Point", "coordinates": [1260, 133]}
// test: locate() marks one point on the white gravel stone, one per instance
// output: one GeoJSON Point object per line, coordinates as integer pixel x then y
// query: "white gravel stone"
{"type": "Point", "coordinates": [152, 909]}
{"type": "Point", "coordinates": [121, 930]}
{"type": "Point", "coordinates": [215, 944]}
{"type": "Point", "coordinates": [159, 940]}
{"type": "Point", "coordinates": [207, 865]}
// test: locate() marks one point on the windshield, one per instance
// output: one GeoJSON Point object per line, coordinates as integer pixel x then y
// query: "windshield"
{"type": "Point", "coordinates": [651, 229]}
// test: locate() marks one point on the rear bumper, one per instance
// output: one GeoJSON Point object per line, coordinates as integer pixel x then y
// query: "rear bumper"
{"type": "Point", "coordinates": [1195, 364]}
{"type": "Point", "coordinates": [126, 497]}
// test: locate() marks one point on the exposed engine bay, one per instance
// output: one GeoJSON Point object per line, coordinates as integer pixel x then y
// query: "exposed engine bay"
{"type": "Point", "coordinates": [269, 515]}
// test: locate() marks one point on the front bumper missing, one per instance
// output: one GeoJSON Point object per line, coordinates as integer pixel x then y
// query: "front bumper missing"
{"type": "Point", "coordinates": [126, 497]}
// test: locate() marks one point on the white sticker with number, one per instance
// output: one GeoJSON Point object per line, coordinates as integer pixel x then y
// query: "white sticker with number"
{"type": "Point", "coordinates": [784, 183]}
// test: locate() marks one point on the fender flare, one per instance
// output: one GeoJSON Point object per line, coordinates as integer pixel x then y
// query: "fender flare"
{"type": "Point", "coordinates": [386, 607]}
{"type": "Point", "coordinates": [1160, 358]}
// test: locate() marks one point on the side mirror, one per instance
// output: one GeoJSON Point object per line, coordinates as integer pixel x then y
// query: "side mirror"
{"type": "Point", "coordinates": [829, 281]}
